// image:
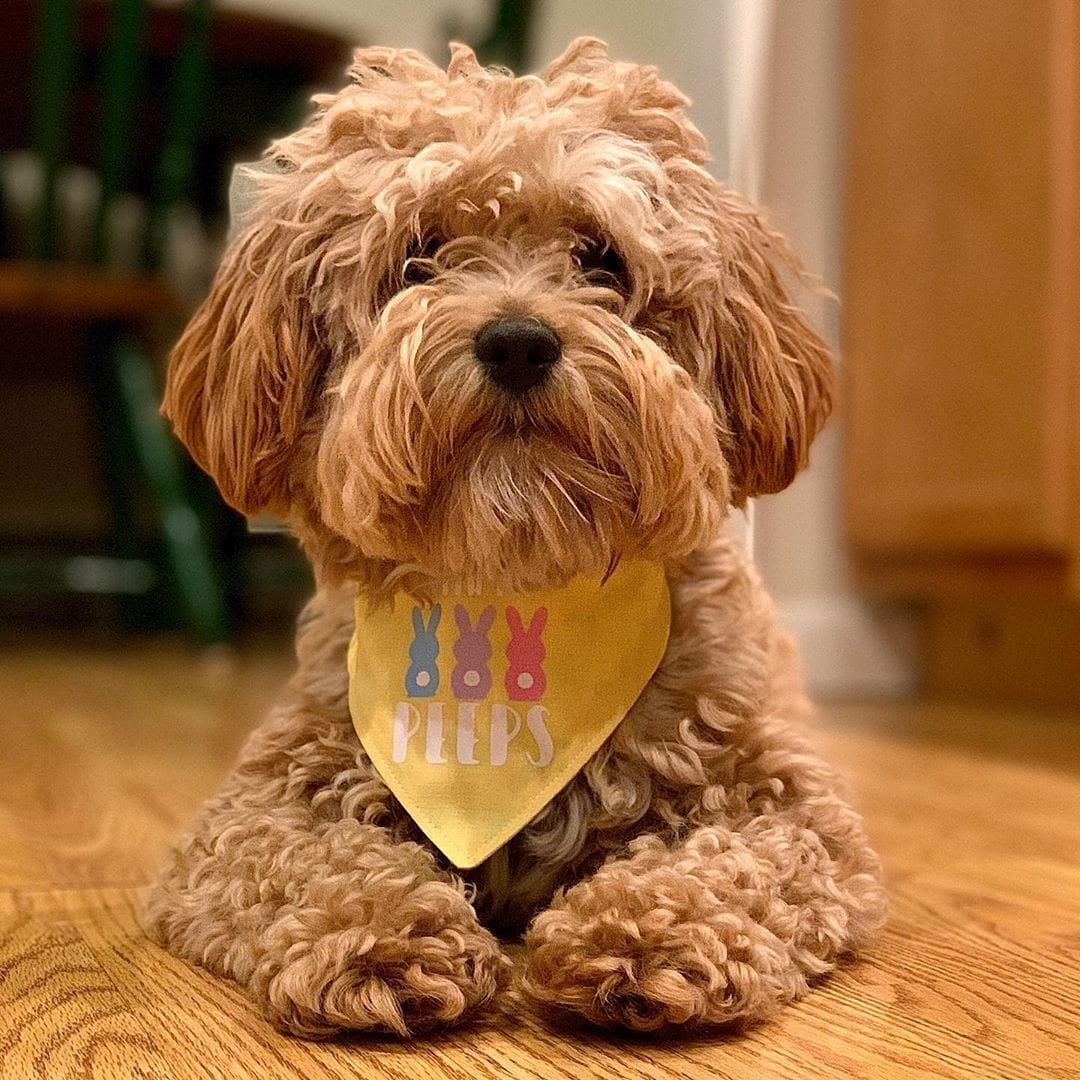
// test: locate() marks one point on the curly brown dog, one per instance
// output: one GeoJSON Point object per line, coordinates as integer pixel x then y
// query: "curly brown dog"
{"type": "Point", "coordinates": [703, 866]}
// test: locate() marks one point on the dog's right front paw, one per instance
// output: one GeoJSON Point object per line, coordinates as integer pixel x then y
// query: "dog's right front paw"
{"type": "Point", "coordinates": [406, 966]}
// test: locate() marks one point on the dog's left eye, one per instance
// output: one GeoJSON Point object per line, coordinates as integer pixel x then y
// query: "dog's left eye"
{"type": "Point", "coordinates": [602, 264]}
{"type": "Point", "coordinates": [417, 268]}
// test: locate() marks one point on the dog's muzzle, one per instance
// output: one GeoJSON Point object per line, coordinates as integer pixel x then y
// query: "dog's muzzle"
{"type": "Point", "coordinates": [517, 353]}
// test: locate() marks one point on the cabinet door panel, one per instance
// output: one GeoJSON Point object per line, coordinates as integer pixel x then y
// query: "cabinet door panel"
{"type": "Point", "coordinates": [958, 332]}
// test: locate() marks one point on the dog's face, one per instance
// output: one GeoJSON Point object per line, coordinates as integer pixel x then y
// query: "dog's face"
{"type": "Point", "coordinates": [498, 328]}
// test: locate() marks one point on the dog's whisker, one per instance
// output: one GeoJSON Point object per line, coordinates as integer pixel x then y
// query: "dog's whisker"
{"type": "Point", "coordinates": [554, 479]}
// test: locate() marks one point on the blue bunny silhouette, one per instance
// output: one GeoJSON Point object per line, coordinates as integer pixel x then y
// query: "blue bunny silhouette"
{"type": "Point", "coordinates": [422, 678]}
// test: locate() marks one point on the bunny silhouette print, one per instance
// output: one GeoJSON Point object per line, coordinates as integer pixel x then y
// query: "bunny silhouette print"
{"type": "Point", "coordinates": [471, 678]}
{"type": "Point", "coordinates": [422, 677]}
{"type": "Point", "coordinates": [525, 679]}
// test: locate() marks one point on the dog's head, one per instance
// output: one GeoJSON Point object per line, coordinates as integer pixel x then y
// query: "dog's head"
{"type": "Point", "coordinates": [498, 327]}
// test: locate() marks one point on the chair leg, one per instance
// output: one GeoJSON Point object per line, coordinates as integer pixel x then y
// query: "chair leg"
{"type": "Point", "coordinates": [135, 611]}
{"type": "Point", "coordinates": [187, 543]}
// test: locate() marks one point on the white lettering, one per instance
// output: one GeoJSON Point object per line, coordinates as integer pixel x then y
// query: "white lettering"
{"type": "Point", "coordinates": [466, 734]}
{"type": "Point", "coordinates": [538, 730]}
{"type": "Point", "coordinates": [506, 725]}
{"type": "Point", "coordinates": [433, 752]}
{"type": "Point", "coordinates": [501, 733]}
{"type": "Point", "coordinates": [406, 725]}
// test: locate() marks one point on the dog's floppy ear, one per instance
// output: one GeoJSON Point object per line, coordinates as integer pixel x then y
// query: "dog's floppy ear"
{"type": "Point", "coordinates": [771, 373]}
{"type": "Point", "coordinates": [238, 382]}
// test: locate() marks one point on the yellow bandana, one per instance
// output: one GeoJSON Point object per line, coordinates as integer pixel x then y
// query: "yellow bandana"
{"type": "Point", "coordinates": [479, 709]}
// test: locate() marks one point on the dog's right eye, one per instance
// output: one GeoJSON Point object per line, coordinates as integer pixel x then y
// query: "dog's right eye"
{"type": "Point", "coordinates": [602, 264]}
{"type": "Point", "coordinates": [418, 267]}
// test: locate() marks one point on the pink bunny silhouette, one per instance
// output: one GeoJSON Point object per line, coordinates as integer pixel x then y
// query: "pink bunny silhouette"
{"type": "Point", "coordinates": [525, 679]}
{"type": "Point", "coordinates": [471, 678]}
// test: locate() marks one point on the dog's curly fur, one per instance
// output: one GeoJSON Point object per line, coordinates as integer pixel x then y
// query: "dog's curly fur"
{"type": "Point", "coordinates": [704, 865]}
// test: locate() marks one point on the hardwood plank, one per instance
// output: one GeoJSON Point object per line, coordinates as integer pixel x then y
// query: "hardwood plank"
{"type": "Point", "coordinates": [63, 1015]}
{"type": "Point", "coordinates": [71, 816]}
{"type": "Point", "coordinates": [106, 755]}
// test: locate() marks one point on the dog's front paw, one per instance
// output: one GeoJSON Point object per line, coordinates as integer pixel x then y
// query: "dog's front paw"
{"type": "Point", "coordinates": [378, 953]}
{"type": "Point", "coordinates": [644, 947]}
{"type": "Point", "coordinates": [415, 979]}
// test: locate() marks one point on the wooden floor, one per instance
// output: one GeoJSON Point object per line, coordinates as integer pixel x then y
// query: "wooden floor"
{"type": "Point", "coordinates": [104, 756]}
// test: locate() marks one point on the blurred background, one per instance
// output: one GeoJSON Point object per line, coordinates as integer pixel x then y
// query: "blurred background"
{"type": "Point", "coordinates": [921, 155]}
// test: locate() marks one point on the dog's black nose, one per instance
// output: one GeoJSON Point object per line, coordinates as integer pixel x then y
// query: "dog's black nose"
{"type": "Point", "coordinates": [517, 353]}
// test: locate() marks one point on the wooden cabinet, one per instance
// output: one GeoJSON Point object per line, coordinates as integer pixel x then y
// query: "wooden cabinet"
{"type": "Point", "coordinates": [962, 300]}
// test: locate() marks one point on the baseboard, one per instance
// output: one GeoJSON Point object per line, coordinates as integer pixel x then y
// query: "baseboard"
{"type": "Point", "coordinates": [852, 650]}
{"type": "Point", "coordinates": [1012, 650]}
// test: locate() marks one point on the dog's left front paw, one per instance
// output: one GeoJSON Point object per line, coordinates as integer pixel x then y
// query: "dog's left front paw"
{"type": "Point", "coordinates": [654, 941]}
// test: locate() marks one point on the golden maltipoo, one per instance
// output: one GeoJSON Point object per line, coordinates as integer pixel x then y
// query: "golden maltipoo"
{"type": "Point", "coordinates": [505, 355]}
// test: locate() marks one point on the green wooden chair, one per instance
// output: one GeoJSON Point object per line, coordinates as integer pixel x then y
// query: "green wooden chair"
{"type": "Point", "coordinates": [138, 450]}
{"type": "Point", "coordinates": [509, 37]}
